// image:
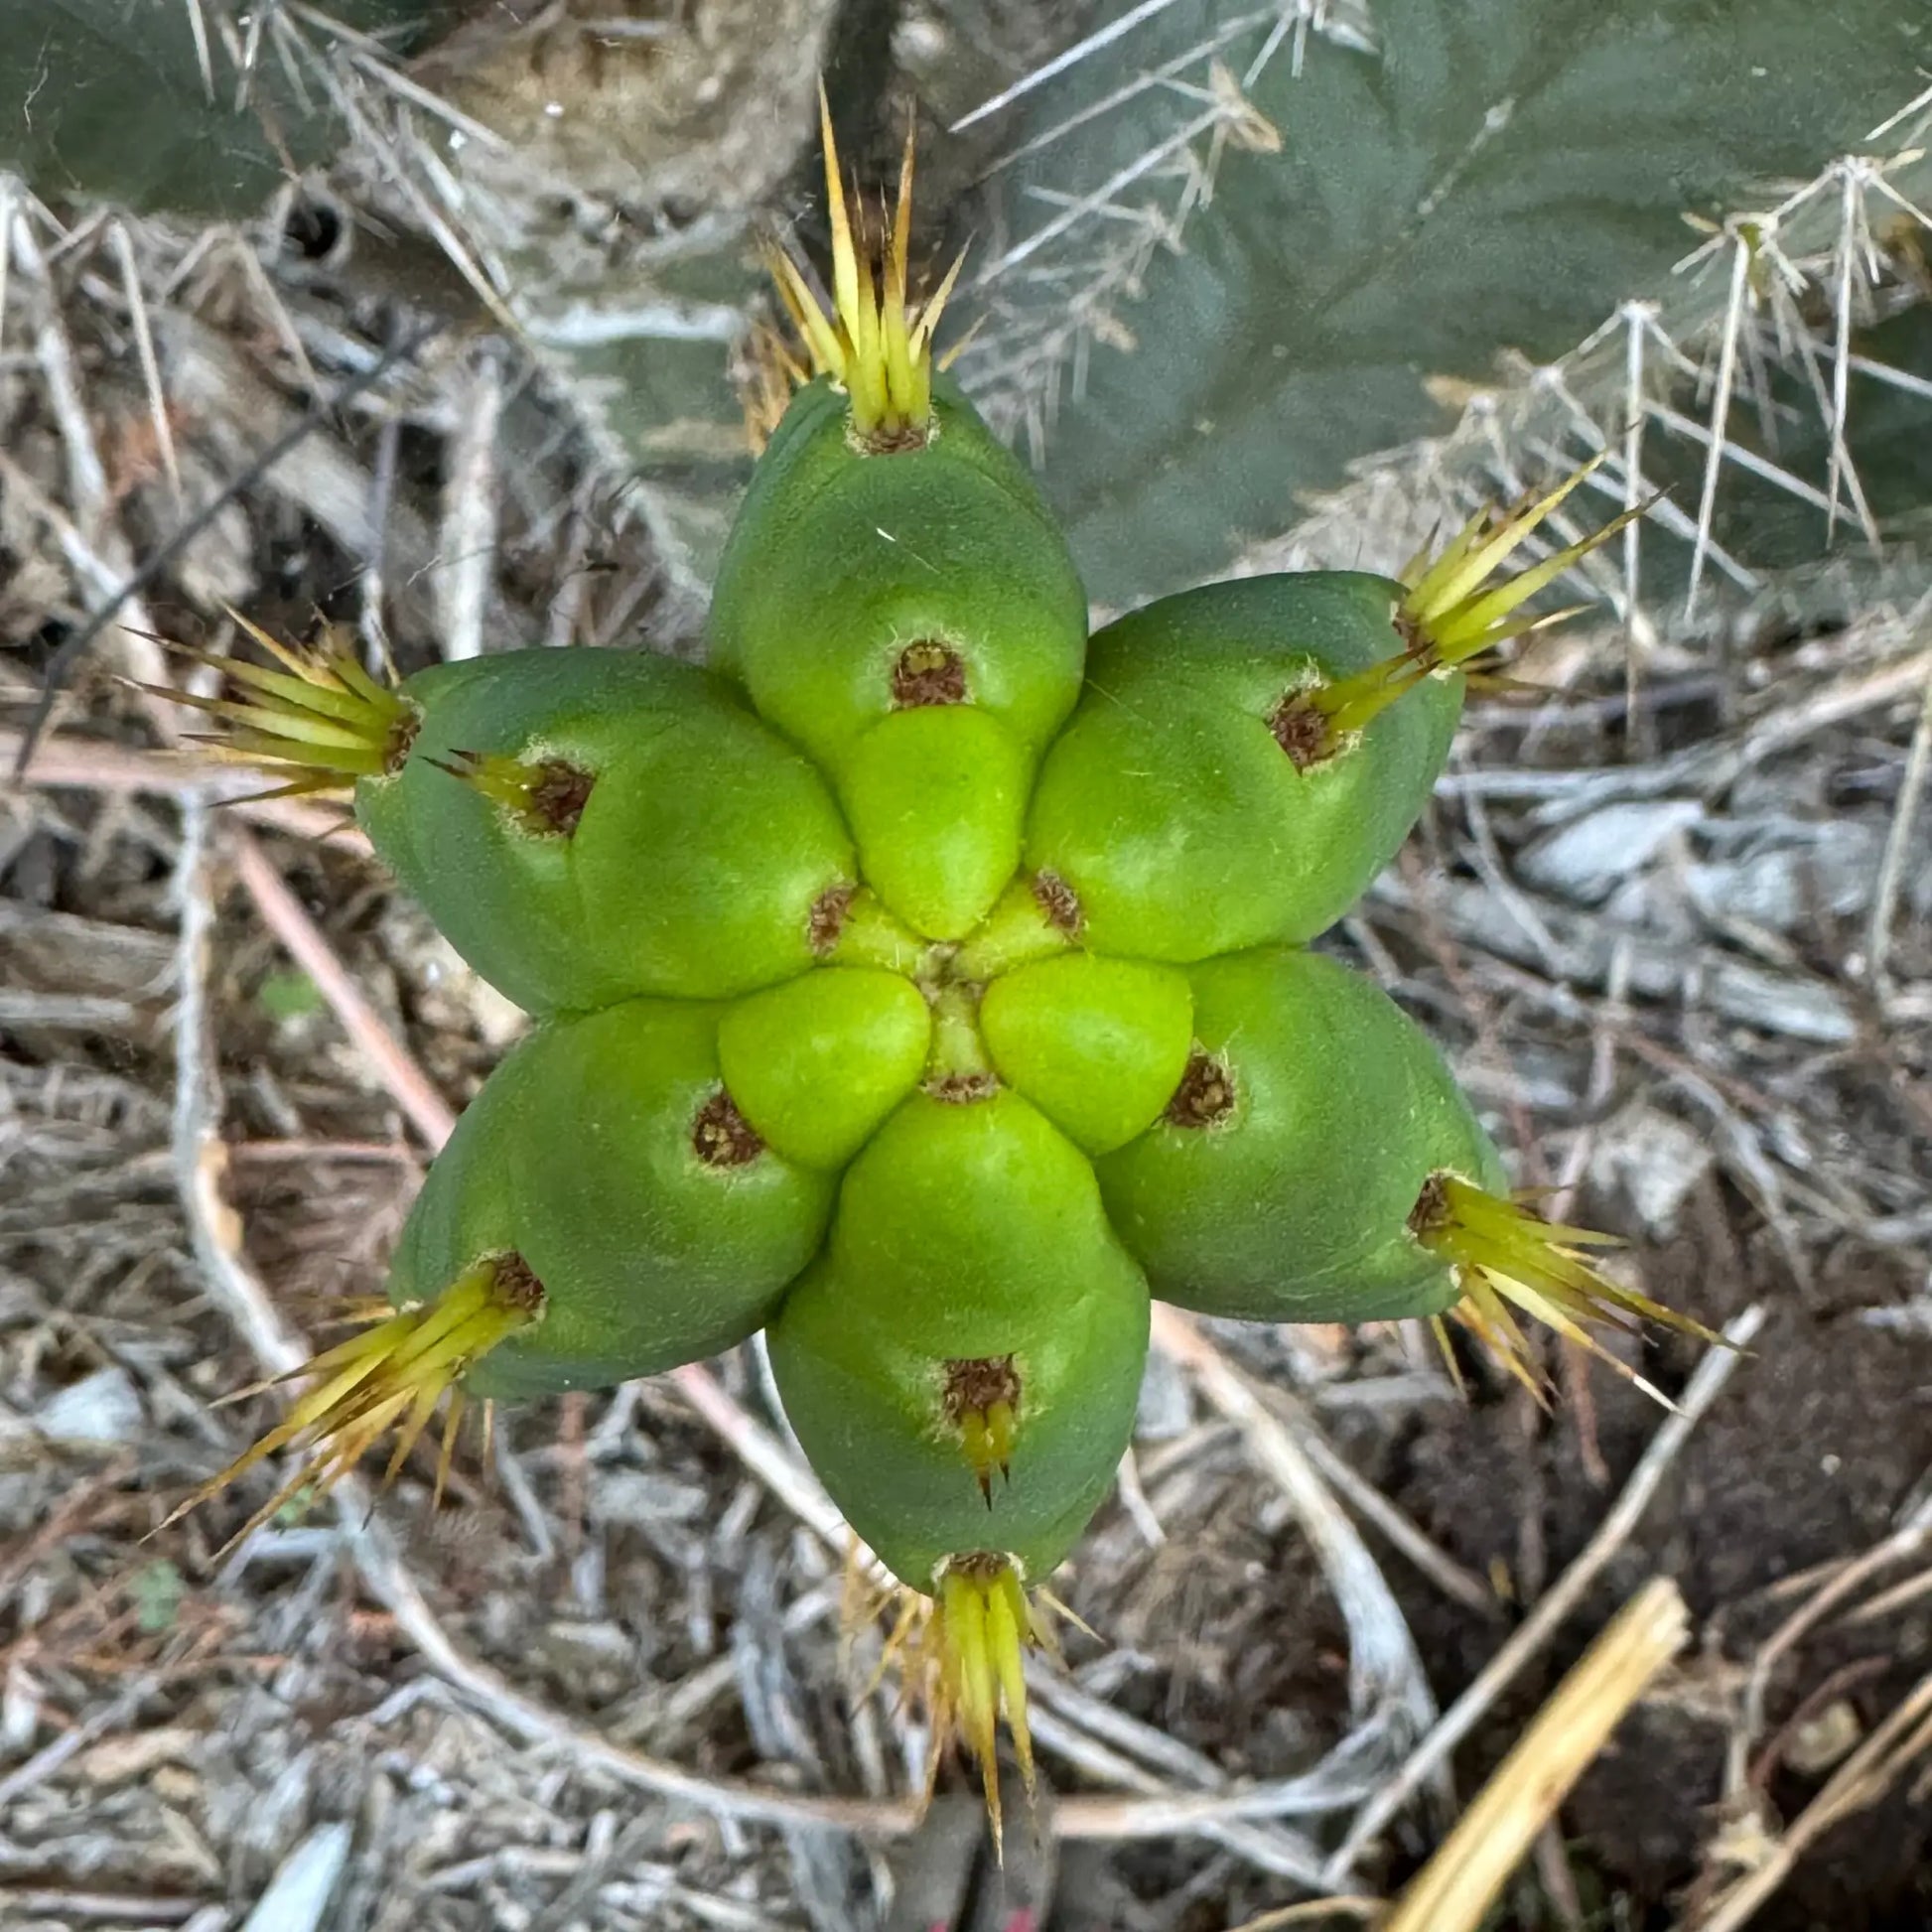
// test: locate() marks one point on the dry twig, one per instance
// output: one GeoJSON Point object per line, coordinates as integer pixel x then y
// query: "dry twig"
{"type": "Point", "coordinates": [1455, 1890]}
{"type": "Point", "coordinates": [289, 920]}
{"type": "Point", "coordinates": [1874, 1768]}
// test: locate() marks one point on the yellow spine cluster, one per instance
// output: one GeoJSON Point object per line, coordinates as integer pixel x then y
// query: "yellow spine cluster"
{"type": "Point", "coordinates": [876, 344]}
{"type": "Point", "coordinates": [393, 1375]}
{"type": "Point", "coordinates": [1505, 1257]}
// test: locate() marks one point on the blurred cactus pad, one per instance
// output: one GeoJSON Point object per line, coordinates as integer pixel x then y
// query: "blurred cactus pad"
{"type": "Point", "coordinates": [1233, 258]}
{"type": "Point", "coordinates": [195, 108]}
{"type": "Point", "coordinates": [924, 983]}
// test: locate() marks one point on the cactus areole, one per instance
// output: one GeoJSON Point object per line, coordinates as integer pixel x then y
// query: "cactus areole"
{"type": "Point", "coordinates": [924, 983]}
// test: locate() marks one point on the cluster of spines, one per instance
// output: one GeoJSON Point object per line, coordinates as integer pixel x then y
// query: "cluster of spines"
{"type": "Point", "coordinates": [981, 1398]}
{"type": "Point", "coordinates": [318, 724]}
{"type": "Point", "coordinates": [961, 1657]}
{"type": "Point", "coordinates": [1449, 618]}
{"type": "Point", "coordinates": [546, 796]}
{"type": "Point", "coordinates": [394, 1375]}
{"type": "Point", "coordinates": [1506, 1257]}
{"type": "Point", "coordinates": [875, 343]}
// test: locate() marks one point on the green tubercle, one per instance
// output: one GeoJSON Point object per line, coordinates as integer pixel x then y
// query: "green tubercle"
{"type": "Point", "coordinates": [936, 798]}
{"type": "Point", "coordinates": [1178, 819]}
{"type": "Point", "coordinates": [817, 1064]}
{"type": "Point", "coordinates": [1097, 1044]}
{"type": "Point", "coordinates": [1279, 1183]}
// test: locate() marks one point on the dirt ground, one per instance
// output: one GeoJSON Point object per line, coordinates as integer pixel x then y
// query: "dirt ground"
{"type": "Point", "coordinates": [1810, 1458]}
{"type": "Point", "coordinates": [604, 1686]}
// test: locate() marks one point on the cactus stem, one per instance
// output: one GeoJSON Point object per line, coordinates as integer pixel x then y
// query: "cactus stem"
{"type": "Point", "coordinates": [1205, 1095]}
{"type": "Point", "coordinates": [982, 1400]}
{"type": "Point", "coordinates": [546, 796]}
{"type": "Point", "coordinates": [320, 722]}
{"type": "Point", "coordinates": [393, 1375]}
{"type": "Point", "coordinates": [851, 926]}
{"type": "Point", "coordinates": [875, 343]}
{"type": "Point", "coordinates": [1507, 1258]}
{"type": "Point", "coordinates": [1445, 620]}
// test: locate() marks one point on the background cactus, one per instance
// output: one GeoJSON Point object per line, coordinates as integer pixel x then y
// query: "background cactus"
{"type": "Point", "coordinates": [1235, 255]}
{"type": "Point", "coordinates": [181, 106]}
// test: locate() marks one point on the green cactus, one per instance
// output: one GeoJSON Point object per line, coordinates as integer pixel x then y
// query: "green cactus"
{"type": "Point", "coordinates": [1389, 207]}
{"type": "Point", "coordinates": [937, 1104]}
{"type": "Point", "coordinates": [165, 107]}
{"type": "Point", "coordinates": [1256, 1196]}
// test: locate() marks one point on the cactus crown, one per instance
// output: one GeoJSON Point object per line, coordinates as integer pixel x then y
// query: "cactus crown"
{"type": "Point", "coordinates": [940, 1173]}
{"type": "Point", "coordinates": [876, 344]}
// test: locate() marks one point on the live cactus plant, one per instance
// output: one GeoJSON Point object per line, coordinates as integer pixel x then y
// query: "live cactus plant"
{"type": "Point", "coordinates": [1391, 205]}
{"type": "Point", "coordinates": [193, 110]}
{"type": "Point", "coordinates": [1240, 768]}
{"type": "Point", "coordinates": [942, 1098]}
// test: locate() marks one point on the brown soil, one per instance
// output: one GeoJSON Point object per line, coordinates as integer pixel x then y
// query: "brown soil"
{"type": "Point", "coordinates": [1809, 1455]}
